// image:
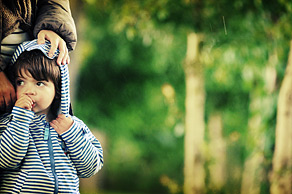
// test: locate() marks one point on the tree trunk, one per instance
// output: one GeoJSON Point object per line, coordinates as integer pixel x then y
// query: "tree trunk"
{"type": "Point", "coordinates": [260, 97]}
{"type": "Point", "coordinates": [217, 152]}
{"type": "Point", "coordinates": [194, 122]}
{"type": "Point", "coordinates": [281, 179]}
{"type": "Point", "coordinates": [252, 173]}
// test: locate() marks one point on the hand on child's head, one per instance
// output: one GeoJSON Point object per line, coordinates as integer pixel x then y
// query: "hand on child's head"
{"type": "Point", "coordinates": [56, 43]}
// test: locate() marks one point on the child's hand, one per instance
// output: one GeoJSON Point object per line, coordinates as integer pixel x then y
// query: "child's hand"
{"type": "Point", "coordinates": [56, 42]}
{"type": "Point", "coordinates": [25, 102]}
{"type": "Point", "coordinates": [61, 123]}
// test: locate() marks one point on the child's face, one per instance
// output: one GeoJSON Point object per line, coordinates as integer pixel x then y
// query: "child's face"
{"type": "Point", "coordinates": [42, 93]}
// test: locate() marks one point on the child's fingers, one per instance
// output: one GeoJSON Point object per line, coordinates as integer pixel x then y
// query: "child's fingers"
{"type": "Point", "coordinates": [62, 123]}
{"type": "Point", "coordinates": [61, 117]}
{"type": "Point", "coordinates": [54, 124]}
{"type": "Point", "coordinates": [24, 102]}
{"type": "Point", "coordinates": [26, 105]}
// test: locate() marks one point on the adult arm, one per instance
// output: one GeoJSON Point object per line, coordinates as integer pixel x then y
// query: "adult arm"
{"type": "Point", "coordinates": [56, 15]}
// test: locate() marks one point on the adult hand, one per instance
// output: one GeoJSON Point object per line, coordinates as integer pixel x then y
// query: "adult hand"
{"type": "Point", "coordinates": [56, 42]}
{"type": "Point", "coordinates": [7, 94]}
{"type": "Point", "coordinates": [61, 123]}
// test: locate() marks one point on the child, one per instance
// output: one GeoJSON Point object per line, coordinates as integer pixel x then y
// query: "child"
{"type": "Point", "coordinates": [23, 20]}
{"type": "Point", "coordinates": [42, 151]}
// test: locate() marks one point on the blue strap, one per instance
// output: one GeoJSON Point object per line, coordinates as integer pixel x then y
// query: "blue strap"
{"type": "Point", "coordinates": [47, 131]}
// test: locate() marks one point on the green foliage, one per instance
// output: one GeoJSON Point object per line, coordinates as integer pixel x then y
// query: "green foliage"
{"type": "Point", "coordinates": [120, 92]}
{"type": "Point", "coordinates": [132, 83]}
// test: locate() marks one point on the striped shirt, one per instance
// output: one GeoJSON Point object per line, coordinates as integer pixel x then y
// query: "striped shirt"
{"type": "Point", "coordinates": [35, 159]}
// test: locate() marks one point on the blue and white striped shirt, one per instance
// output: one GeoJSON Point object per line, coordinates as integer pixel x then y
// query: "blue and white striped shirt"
{"type": "Point", "coordinates": [32, 154]}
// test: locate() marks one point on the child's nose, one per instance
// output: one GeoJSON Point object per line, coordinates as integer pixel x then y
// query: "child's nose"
{"type": "Point", "coordinates": [30, 92]}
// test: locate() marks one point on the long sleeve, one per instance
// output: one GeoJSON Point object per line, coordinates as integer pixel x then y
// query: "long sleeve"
{"type": "Point", "coordinates": [56, 16]}
{"type": "Point", "coordinates": [84, 149]}
{"type": "Point", "coordinates": [14, 137]}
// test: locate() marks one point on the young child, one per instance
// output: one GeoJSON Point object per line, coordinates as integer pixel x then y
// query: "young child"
{"type": "Point", "coordinates": [23, 20]}
{"type": "Point", "coordinates": [42, 151]}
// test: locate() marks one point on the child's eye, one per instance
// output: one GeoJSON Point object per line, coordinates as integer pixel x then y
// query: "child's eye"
{"type": "Point", "coordinates": [19, 82]}
{"type": "Point", "coordinates": [40, 83]}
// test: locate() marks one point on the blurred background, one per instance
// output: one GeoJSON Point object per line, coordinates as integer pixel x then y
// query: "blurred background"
{"type": "Point", "coordinates": [181, 92]}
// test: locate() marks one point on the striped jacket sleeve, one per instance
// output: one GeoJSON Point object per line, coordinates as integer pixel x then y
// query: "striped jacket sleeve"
{"type": "Point", "coordinates": [84, 149]}
{"type": "Point", "coordinates": [14, 137]}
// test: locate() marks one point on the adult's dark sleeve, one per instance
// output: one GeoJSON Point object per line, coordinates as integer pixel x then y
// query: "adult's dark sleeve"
{"type": "Point", "coordinates": [56, 16]}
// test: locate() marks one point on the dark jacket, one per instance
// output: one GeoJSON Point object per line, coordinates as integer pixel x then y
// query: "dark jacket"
{"type": "Point", "coordinates": [36, 15]}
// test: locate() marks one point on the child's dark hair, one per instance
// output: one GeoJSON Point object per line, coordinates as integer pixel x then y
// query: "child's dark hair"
{"type": "Point", "coordinates": [41, 68]}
